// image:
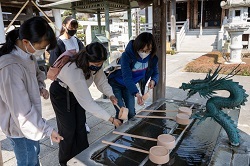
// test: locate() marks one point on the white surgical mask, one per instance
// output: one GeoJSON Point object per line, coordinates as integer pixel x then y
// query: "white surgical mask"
{"type": "Point", "coordinates": [143, 54]}
{"type": "Point", "coordinates": [37, 53]}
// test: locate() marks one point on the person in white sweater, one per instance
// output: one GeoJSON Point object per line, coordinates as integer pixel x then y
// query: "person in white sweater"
{"type": "Point", "coordinates": [67, 41]}
{"type": "Point", "coordinates": [21, 84]}
{"type": "Point", "coordinates": [84, 68]}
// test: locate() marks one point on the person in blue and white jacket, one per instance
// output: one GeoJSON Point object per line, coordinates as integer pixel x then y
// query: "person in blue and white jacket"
{"type": "Point", "coordinates": [139, 64]}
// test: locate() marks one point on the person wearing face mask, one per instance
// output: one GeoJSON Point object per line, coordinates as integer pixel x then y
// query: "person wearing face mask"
{"type": "Point", "coordinates": [66, 40]}
{"type": "Point", "coordinates": [20, 80]}
{"type": "Point", "coordinates": [139, 64]}
{"type": "Point", "coordinates": [84, 68]}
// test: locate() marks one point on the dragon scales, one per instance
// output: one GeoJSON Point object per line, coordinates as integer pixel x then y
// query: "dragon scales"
{"type": "Point", "coordinates": [215, 104]}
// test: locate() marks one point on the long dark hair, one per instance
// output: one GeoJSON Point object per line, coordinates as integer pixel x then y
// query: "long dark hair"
{"type": "Point", "coordinates": [73, 23]}
{"type": "Point", "coordinates": [142, 40]}
{"type": "Point", "coordinates": [35, 29]}
{"type": "Point", "coordinates": [94, 52]}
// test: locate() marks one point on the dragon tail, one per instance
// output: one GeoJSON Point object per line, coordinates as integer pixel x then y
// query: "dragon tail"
{"type": "Point", "coordinates": [228, 125]}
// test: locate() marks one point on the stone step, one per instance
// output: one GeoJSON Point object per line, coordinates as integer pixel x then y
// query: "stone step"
{"type": "Point", "coordinates": [195, 43]}
{"type": "Point", "coordinates": [204, 31]}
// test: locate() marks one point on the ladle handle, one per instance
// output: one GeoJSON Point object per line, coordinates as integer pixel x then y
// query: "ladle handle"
{"type": "Point", "coordinates": [135, 136]}
{"type": "Point", "coordinates": [158, 110]}
{"type": "Point", "coordinates": [125, 147]}
{"type": "Point", "coordinates": [118, 106]}
{"type": "Point", "coordinates": [155, 117]}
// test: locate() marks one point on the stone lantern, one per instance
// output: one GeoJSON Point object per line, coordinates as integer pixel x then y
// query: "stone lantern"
{"type": "Point", "coordinates": [236, 25]}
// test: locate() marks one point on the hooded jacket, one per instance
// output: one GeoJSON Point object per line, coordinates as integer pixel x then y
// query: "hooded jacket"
{"type": "Point", "coordinates": [20, 102]}
{"type": "Point", "coordinates": [127, 61]}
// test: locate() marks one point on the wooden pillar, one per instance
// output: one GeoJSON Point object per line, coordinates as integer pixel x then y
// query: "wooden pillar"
{"type": "Point", "coordinates": [191, 15]}
{"type": "Point", "coordinates": [129, 24]}
{"type": "Point", "coordinates": [195, 16]}
{"type": "Point", "coordinates": [188, 9]}
{"type": "Point", "coordinates": [107, 28]}
{"type": "Point", "coordinates": [167, 32]}
{"type": "Point", "coordinates": [99, 21]}
{"type": "Point", "coordinates": [73, 10]}
{"type": "Point", "coordinates": [73, 13]}
{"type": "Point", "coordinates": [159, 32]}
{"type": "Point", "coordinates": [173, 21]}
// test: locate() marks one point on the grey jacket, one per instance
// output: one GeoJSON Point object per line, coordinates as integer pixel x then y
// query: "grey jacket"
{"type": "Point", "coordinates": [20, 102]}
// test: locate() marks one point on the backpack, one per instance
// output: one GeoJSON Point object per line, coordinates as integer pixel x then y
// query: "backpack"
{"type": "Point", "coordinates": [112, 67]}
{"type": "Point", "coordinates": [55, 69]}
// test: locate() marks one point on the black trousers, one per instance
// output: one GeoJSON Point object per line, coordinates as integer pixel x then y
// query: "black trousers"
{"type": "Point", "coordinates": [71, 125]}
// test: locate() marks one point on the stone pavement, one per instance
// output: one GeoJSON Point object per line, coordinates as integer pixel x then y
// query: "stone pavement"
{"type": "Point", "coordinates": [175, 76]}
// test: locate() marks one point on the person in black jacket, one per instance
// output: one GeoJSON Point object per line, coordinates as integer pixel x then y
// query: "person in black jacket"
{"type": "Point", "coordinates": [66, 40]}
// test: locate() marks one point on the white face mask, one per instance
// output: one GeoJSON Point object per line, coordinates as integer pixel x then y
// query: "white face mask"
{"type": "Point", "coordinates": [37, 53]}
{"type": "Point", "coordinates": [143, 54]}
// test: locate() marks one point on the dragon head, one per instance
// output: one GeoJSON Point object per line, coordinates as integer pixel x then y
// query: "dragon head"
{"type": "Point", "coordinates": [204, 87]}
{"type": "Point", "coordinates": [198, 86]}
{"type": "Point", "coordinates": [207, 86]}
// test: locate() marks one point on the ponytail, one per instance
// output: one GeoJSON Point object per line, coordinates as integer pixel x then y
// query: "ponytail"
{"type": "Point", "coordinates": [94, 52]}
{"type": "Point", "coordinates": [9, 45]}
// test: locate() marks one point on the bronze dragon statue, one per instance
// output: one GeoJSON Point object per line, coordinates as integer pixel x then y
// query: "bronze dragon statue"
{"type": "Point", "coordinates": [215, 104]}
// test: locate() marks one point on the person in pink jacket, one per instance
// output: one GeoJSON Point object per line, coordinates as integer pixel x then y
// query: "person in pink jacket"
{"type": "Point", "coordinates": [21, 84]}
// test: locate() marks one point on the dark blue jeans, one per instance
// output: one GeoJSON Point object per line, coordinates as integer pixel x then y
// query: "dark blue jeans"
{"type": "Point", "coordinates": [125, 98]}
{"type": "Point", "coordinates": [26, 151]}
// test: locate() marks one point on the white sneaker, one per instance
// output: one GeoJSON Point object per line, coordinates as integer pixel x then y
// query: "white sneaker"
{"type": "Point", "coordinates": [87, 128]}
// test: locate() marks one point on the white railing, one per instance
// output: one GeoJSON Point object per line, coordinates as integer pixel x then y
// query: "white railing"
{"type": "Point", "coordinates": [182, 27]}
{"type": "Point", "coordinates": [181, 34]}
{"type": "Point", "coordinates": [179, 25]}
{"type": "Point", "coordinates": [148, 27]}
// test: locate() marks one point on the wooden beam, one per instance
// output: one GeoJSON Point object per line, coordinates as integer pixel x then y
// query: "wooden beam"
{"type": "Point", "coordinates": [16, 15]}
{"type": "Point", "coordinates": [45, 15]}
{"type": "Point", "coordinates": [21, 17]}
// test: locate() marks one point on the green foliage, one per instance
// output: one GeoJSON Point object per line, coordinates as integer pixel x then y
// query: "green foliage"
{"type": "Point", "coordinates": [172, 52]}
{"type": "Point", "coordinates": [245, 73]}
{"type": "Point", "coordinates": [67, 13]}
{"type": "Point", "coordinates": [80, 27]}
{"type": "Point", "coordinates": [143, 20]}
{"type": "Point", "coordinates": [82, 18]}
{"type": "Point", "coordinates": [80, 36]}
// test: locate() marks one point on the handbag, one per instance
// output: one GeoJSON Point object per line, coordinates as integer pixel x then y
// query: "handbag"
{"type": "Point", "coordinates": [55, 69]}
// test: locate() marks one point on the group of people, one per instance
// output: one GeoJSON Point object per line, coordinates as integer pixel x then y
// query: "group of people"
{"type": "Point", "coordinates": [22, 84]}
